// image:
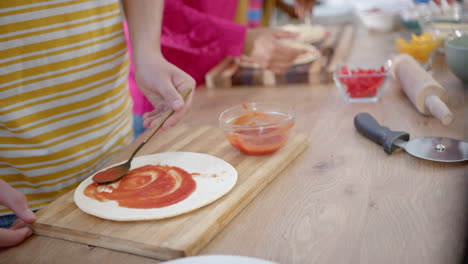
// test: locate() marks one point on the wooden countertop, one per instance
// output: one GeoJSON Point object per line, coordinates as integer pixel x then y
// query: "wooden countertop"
{"type": "Point", "coordinates": [344, 200]}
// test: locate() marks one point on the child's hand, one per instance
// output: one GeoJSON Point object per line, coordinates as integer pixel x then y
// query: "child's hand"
{"type": "Point", "coordinates": [264, 47]}
{"type": "Point", "coordinates": [18, 203]}
{"type": "Point", "coordinates": [162, 82]}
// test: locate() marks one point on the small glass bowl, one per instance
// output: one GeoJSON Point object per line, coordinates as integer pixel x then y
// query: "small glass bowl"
{"type": "Point", "coordinates": [444, 26]}
{"type": "Point", "coordinates": [257, 128]}
{"type": "Point", "coordinates": [456, 56]}
{"type": "Point", "coordinates": [360, 83]}
{"type": "Point", "coordinates": [421, 47]}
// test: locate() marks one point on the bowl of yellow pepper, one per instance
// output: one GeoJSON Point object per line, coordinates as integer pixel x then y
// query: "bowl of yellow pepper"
{"type": "Point", "coordinates": [420, 47]}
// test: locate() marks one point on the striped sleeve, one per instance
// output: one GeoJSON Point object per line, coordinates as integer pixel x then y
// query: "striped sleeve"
{"type": "Point", "coordinates": [64, 102]}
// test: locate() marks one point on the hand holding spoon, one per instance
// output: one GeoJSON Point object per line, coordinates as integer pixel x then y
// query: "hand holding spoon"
{"type": "Point", "coordinates": [118, 171]}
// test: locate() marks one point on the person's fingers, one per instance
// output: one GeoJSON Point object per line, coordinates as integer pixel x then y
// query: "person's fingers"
{"type": "Point", "coordinates": [174, 119]}
{"type": "Point", "coordinates": [148, 117]}
{"type": "Point", "coordinates": [17, 224]}
{"type": "Point", "coordinates": [151, 121]}
{"type": "Point", "coordinates": [170, 88]}
{"type": "Point", "coordinates": [281, 62]}
{"type": "Point", "coordinates": [177, 116]}
{"type": "Point", "coordinates": [285, 55]}
{"type": "Point", "coordinates": [182, 82]}
{"type": "Point", "coordinates": [277, 65]}
{"type": "Point", "coordinates": [279, 68]}
{"type": "Point", "coordinates": [17, 202]}
{"type": "Point", "coordinates": [147, 121]}
{"type": "Point", "coordinates": [292, 51]}
{"type": "Point", "coordinates": [282, 34]}
{"type": "Point", "coordinates": [246, 59]}
{"type": "Point", "coordinates": [179, 80]}
{"type": "Point", "coordinates": [160, 107]}
{"type": "Point", "coordinates": [163, 90]}
{"type": "Point", "coordinates": [12, 237]}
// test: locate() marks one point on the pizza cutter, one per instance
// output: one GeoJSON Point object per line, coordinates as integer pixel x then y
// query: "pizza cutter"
{"type": "Point", "coordinates": [429, 148]}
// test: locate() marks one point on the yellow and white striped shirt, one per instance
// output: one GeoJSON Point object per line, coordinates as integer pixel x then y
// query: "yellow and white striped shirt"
{"type": "Point", "coordinates": [64, 102]}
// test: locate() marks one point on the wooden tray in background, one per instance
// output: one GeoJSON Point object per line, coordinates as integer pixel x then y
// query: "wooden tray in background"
{"type": "Point", "coordinates": [334, 49]}
{"type": "Point", "coordinates": [182, 235]}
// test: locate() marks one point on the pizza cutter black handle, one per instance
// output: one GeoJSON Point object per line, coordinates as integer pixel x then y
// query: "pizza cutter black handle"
{"type": "Point", "coordinates": [370, 128]}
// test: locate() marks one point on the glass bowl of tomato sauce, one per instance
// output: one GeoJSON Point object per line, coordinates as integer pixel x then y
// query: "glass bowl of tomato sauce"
{"type": "Point", "coordinates": [361, 83]}
{"type": "Point", "coordinates": [257, 128]}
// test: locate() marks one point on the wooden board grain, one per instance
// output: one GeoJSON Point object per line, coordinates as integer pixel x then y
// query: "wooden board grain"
{"type": "Point", "coordinates": [183, 235]}
{"type": "Point", "coordinates": [334, 49]}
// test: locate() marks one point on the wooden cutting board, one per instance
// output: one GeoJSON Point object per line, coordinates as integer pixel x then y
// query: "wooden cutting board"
{"type": "Point", "coordinates": [182, 235]}
{"type": "Point", "coordinates": [334, 50]}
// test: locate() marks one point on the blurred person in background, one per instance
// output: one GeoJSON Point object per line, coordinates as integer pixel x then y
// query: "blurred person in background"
{"type": "Point", "coordinates": [199, 34]}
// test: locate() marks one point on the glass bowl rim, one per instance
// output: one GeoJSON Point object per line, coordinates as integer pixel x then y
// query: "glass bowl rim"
{"type": "Point", "coordinates": [409, 38]}
{"type": "Point", "coordinates": [386, 64]}
{"type": "Point", "coordinates": [289, 115]}
{"type": "Point", "coordinates": [454, 37]}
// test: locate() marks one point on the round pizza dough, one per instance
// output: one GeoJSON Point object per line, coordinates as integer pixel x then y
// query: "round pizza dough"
{"type": "Point", "coordinates": [307, 33]}
{"type": "Point", "coordinates": [214, 177]}
{"type": "Point", "coordinates": [307, 57]}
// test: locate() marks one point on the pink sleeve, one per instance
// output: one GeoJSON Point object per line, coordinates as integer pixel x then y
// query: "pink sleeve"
{"type": "Point", "coordinates": [195, 41]}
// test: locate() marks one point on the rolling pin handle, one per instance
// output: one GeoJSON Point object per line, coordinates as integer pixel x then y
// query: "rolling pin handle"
{"type": "Point", "coordinates": [426, 94]}
{"type": "Point", "coordinates": [438, 109]}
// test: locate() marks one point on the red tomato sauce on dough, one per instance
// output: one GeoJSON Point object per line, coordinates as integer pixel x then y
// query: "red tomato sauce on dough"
{"type": "Point", "coordinates": [150, 186]}
{"type": "Point", "coordinates": [259, 140]}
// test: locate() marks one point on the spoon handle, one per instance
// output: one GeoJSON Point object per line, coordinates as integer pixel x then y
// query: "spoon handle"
{"type": "Point", "coordinates": [168, 113]}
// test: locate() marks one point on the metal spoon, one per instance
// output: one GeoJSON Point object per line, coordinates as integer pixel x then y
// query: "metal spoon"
{"type": "Point", "coordinates": [117, 172]}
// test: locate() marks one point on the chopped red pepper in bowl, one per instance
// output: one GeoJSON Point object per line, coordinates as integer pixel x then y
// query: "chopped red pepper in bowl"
{"type": "Point", "coordinates": [361, 84]}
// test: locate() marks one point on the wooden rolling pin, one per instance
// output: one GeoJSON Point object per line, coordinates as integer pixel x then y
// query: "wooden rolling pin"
{"type": "Point", "coordinates": [426, 94]}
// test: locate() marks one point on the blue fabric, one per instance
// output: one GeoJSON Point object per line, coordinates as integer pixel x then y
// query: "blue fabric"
{"type": "Point", "coordinates": [138, 127]}
{"type": "Point", "coordinates": [254, 15]}
{"type": "Point", "coordinates": [7, 220]}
